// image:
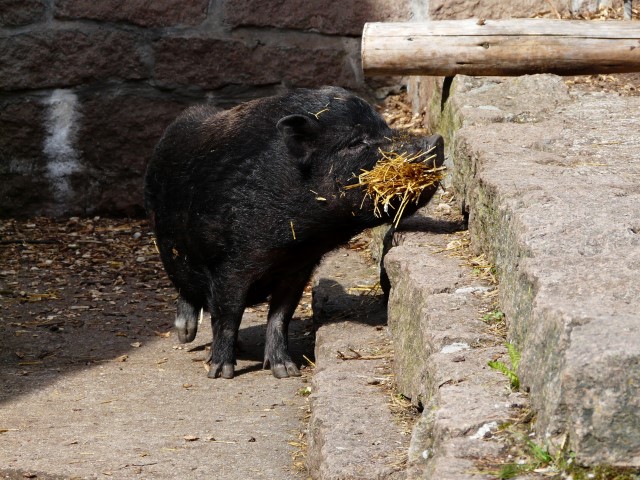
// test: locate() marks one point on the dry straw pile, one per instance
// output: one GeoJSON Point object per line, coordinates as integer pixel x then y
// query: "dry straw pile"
{"type": "Point", "coordinates": [400, 176]}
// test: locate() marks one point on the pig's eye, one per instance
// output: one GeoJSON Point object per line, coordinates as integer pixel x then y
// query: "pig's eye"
{"type": "Point", "coordinates": [358, 143]}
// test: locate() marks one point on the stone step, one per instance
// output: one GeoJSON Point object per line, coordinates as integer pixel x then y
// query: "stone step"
{"type": "Point", "coordinates": [442, 348]}
{"type": "Point", "coordinates": [550, 178]}
{"type": "Point", "coordinates": [438, 354]}
{"type": "Point", "coordinates": [352, 433]}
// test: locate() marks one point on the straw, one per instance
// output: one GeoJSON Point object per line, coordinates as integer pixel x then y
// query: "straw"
{"type": "Point", "coordinates": [399, 176]}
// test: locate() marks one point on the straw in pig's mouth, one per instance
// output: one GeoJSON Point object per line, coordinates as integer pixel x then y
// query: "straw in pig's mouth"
{"type": "Point", "coordinates": [400, 176]}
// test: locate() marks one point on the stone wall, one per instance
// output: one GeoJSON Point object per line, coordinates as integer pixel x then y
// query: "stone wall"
{"type": "Point", "coordinates": [86, 87]}
{"type": "Point", "coordinates": [461, 9]}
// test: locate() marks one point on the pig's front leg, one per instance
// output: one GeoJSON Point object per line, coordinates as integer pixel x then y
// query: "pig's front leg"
{"type": "Point", "coordinates": [284, 300]}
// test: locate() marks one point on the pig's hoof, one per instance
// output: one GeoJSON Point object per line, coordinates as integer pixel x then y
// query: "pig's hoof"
{"type": "Point", "coordinates": [283, 369]}
{"type": "Point", "coordinates": [187, 327]}
{"type": "Point", "coordinates": [224, 370]}
{"type": "Point", "coordinates": [186, 335]}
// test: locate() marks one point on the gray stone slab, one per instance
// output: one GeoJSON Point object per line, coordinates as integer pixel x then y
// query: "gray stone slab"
{"type": "Point", "coordinates": [441, 352]}
{"type": "Point", "coordinates": [551, 180]}
{"type": "Point", "coordinates": [423, 309]}
{"type": "Point", "coordinates": [352, 432]}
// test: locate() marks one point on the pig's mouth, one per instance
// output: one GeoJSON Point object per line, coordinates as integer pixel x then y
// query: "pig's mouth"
{"type": "Point", "coordinates": [400, 178]}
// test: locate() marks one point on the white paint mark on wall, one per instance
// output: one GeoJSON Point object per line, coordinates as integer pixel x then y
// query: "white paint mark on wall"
{"type": "Point", "coordinates": [62, 123]}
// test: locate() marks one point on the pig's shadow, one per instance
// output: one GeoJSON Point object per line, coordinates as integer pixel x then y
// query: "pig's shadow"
{"type": "Point", "coordinates": [332, 303]}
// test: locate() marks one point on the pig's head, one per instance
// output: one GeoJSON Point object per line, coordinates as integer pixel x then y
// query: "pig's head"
{"type": "Point", "coordinates": [336, 135]}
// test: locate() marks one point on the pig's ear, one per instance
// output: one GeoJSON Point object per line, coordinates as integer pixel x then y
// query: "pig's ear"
{"type": "Point", "coordinates": [297, 131]}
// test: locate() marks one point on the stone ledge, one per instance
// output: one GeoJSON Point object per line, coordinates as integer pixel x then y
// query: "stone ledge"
{"type": "Point", "coordinates": [550, 180]}
{"type": "Point", "coordinates": [441, 353]}
{"type": "Point", "coordinates": [352, 432]}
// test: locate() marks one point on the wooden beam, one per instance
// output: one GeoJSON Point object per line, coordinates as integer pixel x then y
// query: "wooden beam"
{"type": "Point", "coordinates": [501, 47]}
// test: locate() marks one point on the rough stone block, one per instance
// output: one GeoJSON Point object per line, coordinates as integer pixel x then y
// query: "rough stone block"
{"type": "Point", "coordinates": [129, 124]}
{"type": "Point", "coordinates": [59, 58]}
{"type": "Point", "coordinates": [553, 198]}
{"type": "Point", "coordinates": [213, 63]}
{"type": "Point", "coordinates": [110, 137]}
{"type": "Point", "coordinates": [422, 288]}
{"type": "Point", "coordinates": [584, 6]}
{"type": "Point", "coordinates": [425, 95]}
{"type": "Point", "coordinates": [461, 9]}
{"type": "Point", "coordinates": [21, 143]}
{"type": "Point", "coordinates": [441, 350]}
{"type": "Point", "coordinates": [116, 137]}
{"type": "Point", "coordinates": [16, 13]}
{"type": "Point", "coordinates": [21, 131]}
{"type": "Point", "coordinates": [334, 18]}
{"type": "Point", "coordinates": [158, 13]}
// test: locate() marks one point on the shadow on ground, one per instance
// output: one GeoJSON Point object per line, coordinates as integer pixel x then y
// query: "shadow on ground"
{"type": "Point", "coordinates": [339, 305]}
{"type": "Point", "coordinates": [30, 360]}
{"type": "Point", "coordinates": [77, 293]}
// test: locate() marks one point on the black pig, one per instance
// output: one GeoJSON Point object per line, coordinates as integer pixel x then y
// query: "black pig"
{"type": "Point", "coordinates": [246, 202]}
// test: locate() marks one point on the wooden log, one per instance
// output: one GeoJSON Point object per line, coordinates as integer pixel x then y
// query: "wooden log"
{"type": "Point", "coordinates": [501, 47]}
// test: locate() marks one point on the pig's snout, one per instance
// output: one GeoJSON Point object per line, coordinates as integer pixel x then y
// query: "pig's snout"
{"type": "Point", "coordinates": [435, 146]}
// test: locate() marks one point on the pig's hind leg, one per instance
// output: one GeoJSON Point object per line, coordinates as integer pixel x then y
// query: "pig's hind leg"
{"type": "Point", "coordinates": [187, 319]}
{"type": "Point", "coordinates": [284, 300]}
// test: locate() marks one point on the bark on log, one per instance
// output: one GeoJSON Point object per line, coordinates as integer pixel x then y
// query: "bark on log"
{"type": "Point", "coordinates": [501, 47]}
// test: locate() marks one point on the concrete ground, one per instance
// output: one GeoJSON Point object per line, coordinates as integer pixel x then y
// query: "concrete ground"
{"type": "Point", "coordinates": [94, 383]}
{"type": "Point", "coordinates": [154, 414]}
